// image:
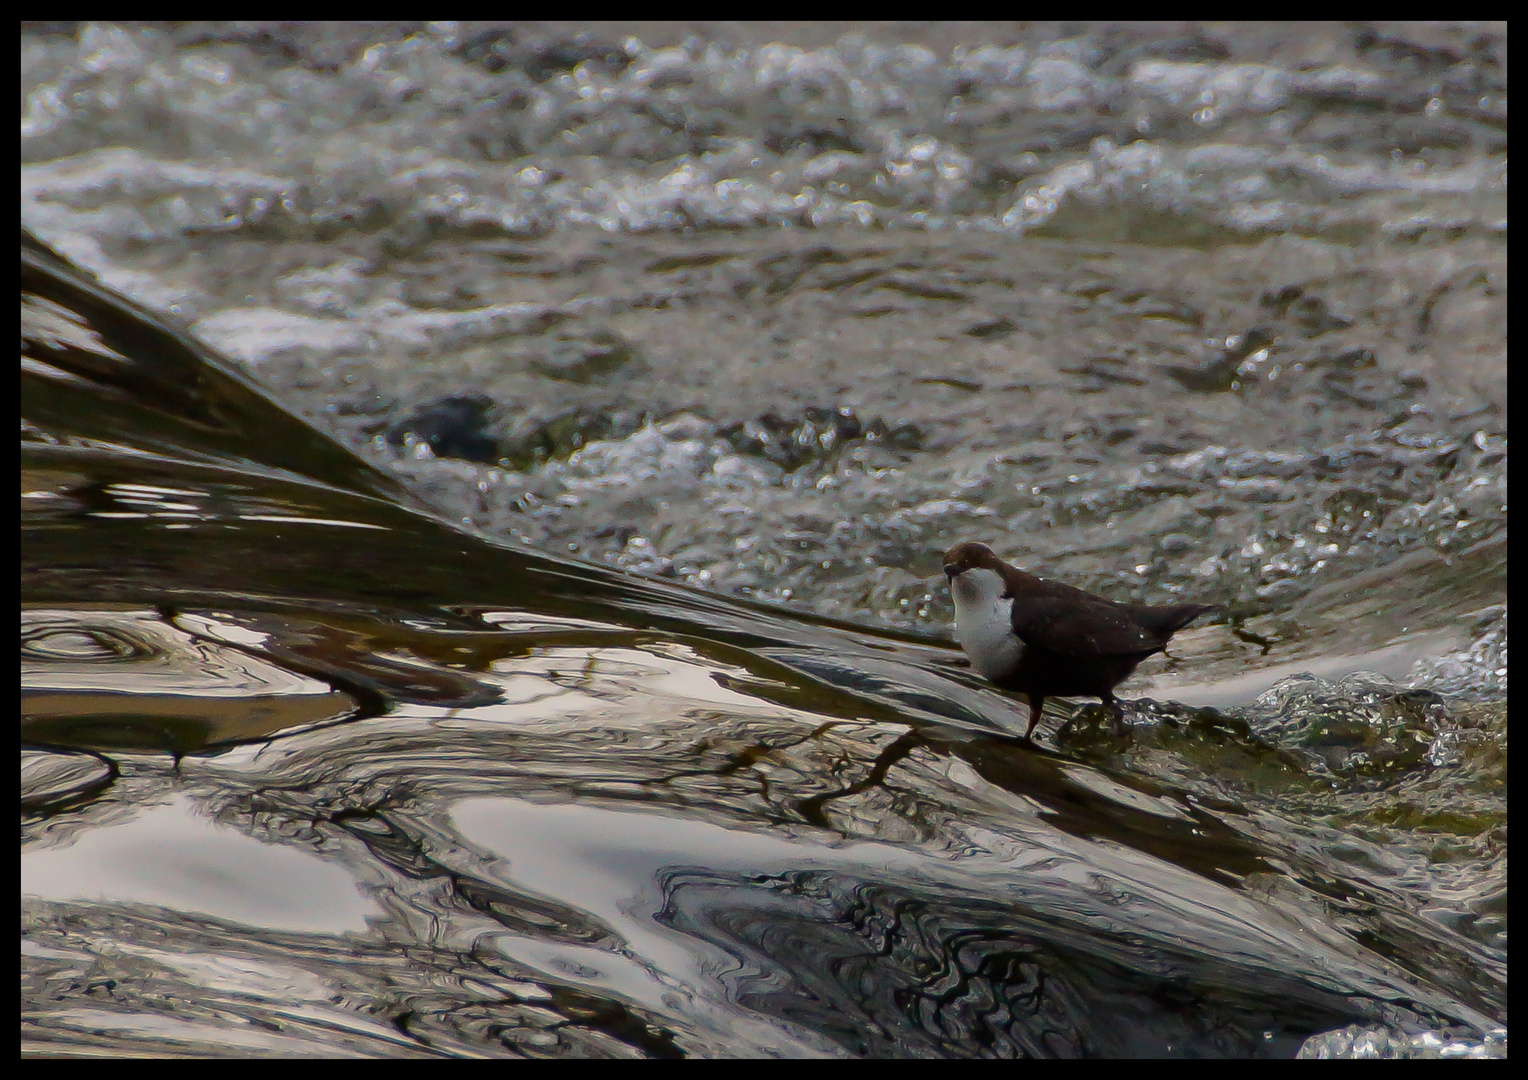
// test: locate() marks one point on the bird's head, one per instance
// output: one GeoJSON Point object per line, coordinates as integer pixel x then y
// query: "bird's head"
{"type": "Point", "coordinates": [969, 556]}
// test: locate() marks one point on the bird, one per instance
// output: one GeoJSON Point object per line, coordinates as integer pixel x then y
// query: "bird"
{"type": "Point", "coordinates": [1043, 638]}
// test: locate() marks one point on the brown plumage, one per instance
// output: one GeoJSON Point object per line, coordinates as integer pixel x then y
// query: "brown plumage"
{"type": "Point", "coordinates": [1046, 639]}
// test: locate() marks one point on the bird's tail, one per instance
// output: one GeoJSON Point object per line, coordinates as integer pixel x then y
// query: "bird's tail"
{"type": "Point", "coordinates": [1169, 620]}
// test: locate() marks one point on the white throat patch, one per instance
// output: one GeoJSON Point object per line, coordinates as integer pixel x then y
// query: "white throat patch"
{"type": "Point", "coordinates": [984, 622]}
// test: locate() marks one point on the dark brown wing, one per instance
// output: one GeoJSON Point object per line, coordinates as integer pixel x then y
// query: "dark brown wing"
{"type": "Point", "coordinates": [1096, 628]}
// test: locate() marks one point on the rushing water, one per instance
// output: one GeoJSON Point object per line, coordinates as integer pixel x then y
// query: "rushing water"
{"type": "Point", "coordinates": [753, 324]}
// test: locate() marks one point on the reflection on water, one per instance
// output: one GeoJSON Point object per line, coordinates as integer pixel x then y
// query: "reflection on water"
{"type": "Point", "coordinates": [630, 850]}
{"type": "Point", "coordinates": [129, 680]}
{"type": "Point", "coordinates": [170, 856]}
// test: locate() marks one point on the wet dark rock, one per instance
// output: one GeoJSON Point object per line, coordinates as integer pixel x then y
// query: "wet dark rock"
{"type": "Point", "coordinates": [817, 435]}
{"type": "Point", "coordinates": [558, 436]}
{"type": "Point", "coordinates": [455, 427]}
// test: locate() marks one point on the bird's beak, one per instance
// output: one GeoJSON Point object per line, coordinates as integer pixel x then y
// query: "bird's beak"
{"type": "Point", "coordinates": [950, 571]}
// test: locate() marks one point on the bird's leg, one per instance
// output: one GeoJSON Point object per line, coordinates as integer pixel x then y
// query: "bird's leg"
{"type": "Point", "coordinates": [1112, 704]}
{"type": "Point", "coordinates": [1036, 704]}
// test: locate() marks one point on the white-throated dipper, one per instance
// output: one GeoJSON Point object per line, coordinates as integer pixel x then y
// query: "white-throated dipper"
{"type": "Point", "coordinates": [1045, 639]}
